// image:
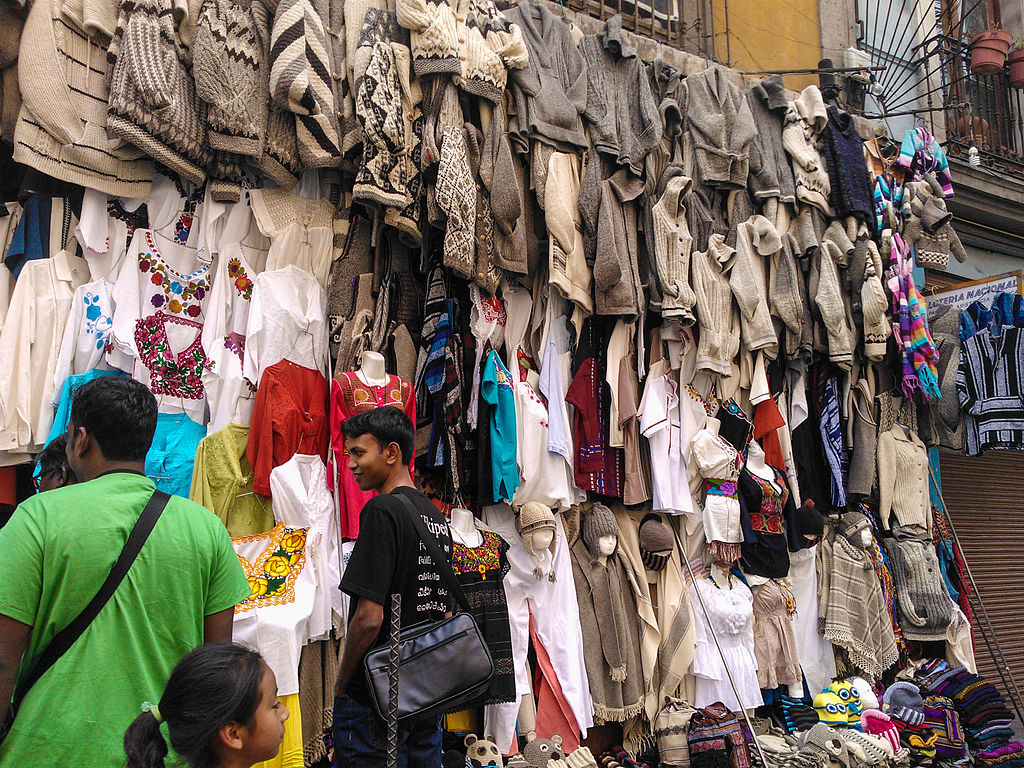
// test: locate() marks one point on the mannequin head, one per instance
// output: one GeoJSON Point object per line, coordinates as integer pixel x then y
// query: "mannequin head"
{"type": "Point", "coordinates": [867, 697]}
{"type": "Point", "coordinates": [536, 523]}
{"type": "Point", "coordinates": [600, 531]}
{"type": "Point", "coordinates": [856, 528]}
{"type": "Point", "coordinates": [656, 542]}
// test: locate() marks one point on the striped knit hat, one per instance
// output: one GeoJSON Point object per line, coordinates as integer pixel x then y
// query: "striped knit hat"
{"type": "Point", "coordinates": [903, 701]}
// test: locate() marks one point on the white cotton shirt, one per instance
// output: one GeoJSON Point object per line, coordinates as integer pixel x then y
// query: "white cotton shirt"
{"type": "Point", "coordinates": [230, 397]}
{"type": "Point", "coordinates": [287, 321]}
{"type": "Point", "coordinates": [669, 427]}
{"type": "Point", "coordinates": [300, 230]}
{"type": "Point", "coordinates": [301, 499]}
{"type": "Point", "coordinates": [29, 347]}
{"type": "Point", "coordinates": [84, 341]}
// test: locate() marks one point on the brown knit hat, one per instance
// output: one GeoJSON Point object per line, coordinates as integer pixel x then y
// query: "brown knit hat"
{"type": "Point", "coordinates": [656, 542]}
{"type": "Point", "coordinates": [533, 517]}
{"type": "Point", "coordinates": [852, 523]}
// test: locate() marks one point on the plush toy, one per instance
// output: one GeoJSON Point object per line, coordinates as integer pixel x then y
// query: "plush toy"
{"type": "Point", "coordinates": [482, 752]}
{"type": "Point", "coordinates": [536, 752]}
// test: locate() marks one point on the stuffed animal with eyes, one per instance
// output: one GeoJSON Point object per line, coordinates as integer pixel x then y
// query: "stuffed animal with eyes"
{"type": "Point", "coordinates": [536, 752]}
{"type": "Point", "coordinates": [483, 752]}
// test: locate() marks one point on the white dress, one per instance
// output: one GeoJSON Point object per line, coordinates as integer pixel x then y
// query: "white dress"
{"type": "Point", "coordinates": [667, 421]}
{"type": "Point", "coordinates": [816, 656]}
{"type": "Point", "coordinates": [720, 464]}
{"type": "Point", "coordinates": [301, 499]}
{"type": "Point", "coordinates": [731, 614]}
{"type": "Point", "coordinates": [84, 343]}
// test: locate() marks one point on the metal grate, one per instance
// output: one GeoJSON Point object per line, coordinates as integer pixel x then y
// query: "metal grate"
{"type": "Point", "coordinates": [682, 24]}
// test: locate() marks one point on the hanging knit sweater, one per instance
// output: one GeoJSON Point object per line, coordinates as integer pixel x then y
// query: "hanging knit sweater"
{"type": "Point", "coordinates": [672, 249]}
{"type": "Point", "coordinates": [843, 151]}
{"type": "Point", "coordinates": [153, 102]}
{"type": "Point", "coordinates": [721, 127]}
{"type": "Point", "coordinates": [771, 174]}
{"type": "Point", "coordinates": [925, 608]}
{"type": "Point", "coordinates": [903, 479]}
{"type": "Point", "coordinates": [805, 119]}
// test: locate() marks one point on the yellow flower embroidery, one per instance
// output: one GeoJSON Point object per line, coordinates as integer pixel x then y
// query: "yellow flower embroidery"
{"type": "Point", "coordinates": [257, 586]}
{"type": "Point", "coordinates": [174, 305]}
{"type": "Point", "coordinates": [276, 566]}
{"type": "Point", "coordinates": [294, 541]}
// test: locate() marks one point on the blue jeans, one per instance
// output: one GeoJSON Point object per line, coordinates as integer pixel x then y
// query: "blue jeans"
{"type": "Point", "coordinates": [361, 738]}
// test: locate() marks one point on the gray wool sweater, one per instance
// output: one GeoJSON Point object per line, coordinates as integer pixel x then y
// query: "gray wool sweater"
{"type": "Point", "coordinates": [771, 174]}
{"type": "Point", "coordinates": [617, 287]}
{"type": "Point", "coordinates": [552, 91]}
{"type": "Point", "coordinates": [721, 127]}
{"type": "Point", "coordinates": [623, 116]}
{"type": "Point", "coordinates": [925, 608]}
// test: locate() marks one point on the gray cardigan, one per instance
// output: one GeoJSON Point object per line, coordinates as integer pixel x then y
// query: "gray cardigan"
{"type": "Point", "coordinates": [771, 174]}
{"type": "Point", "coordinates": [721, 127]}
{"type": "Point", "coordinates": [617, 287]}
{"type": "Point", "coordinates": [623, 117]}
{"type": "Point", "coordinates": [552, 93]}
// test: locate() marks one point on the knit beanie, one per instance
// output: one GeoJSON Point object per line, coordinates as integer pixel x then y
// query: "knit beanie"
{"type": "Point", "coordinates": [821, 738]}
{"type": "Point", "coordinates": [878, 723]}
{"type": "Point", "coordinates": [941, 716]}
{"type": "Point", "coordinates": [656, 542]}
{"type": "Point", "coordinates": [807, 521]}
{"type": "Point", "coordinates": [534, 517]}
{"type": "Point", "coordinates": [831, 709]}
{"type": "Point", "coordinates": [868, 700]}
{"type": "Point", "coordinates": [598, 522]}
{"type": "Point", "coordinates": [903, 701]}
{"type": "Point", "coordinates": [851, 524]}
{"type": "Point", "coordinates": [794, 714]}
{"type": "Point", "coordinates": [874, 749]}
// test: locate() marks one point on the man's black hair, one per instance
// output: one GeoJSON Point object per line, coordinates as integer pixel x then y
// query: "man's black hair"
{"type": "Point", "coordinates": [388, 424]}
{"type": "Point", "coordinates": [119, 413]}
{"type": "Point", "coordinates": [54, 457]}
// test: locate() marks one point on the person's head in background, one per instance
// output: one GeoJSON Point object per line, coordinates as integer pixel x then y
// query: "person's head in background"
{"type": "Point", "coordinates": [113, 419]}
{"type": "Point", "coordinates": [52, 469]}
{"type": "Point", "coordinates": [221, 709]}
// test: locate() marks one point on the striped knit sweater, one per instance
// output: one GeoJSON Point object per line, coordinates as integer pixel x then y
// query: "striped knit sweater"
{"type": "Point", "coordinates": [153, 101]}
{"type": "Point", "coordinates": [300, 81]}
{"type": "Point", "coordinates": [62, 127]}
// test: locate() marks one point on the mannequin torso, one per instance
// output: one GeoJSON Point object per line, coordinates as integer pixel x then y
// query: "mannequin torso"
{"type": "Point", "coordinates": [371, 370]}
{"type": "Point", "coordinates": [463, 528]}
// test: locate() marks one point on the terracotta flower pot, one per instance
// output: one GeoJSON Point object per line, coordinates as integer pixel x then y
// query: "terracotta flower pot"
{"type": "Point", "coordinates": [988, 51]}
{"type": "Point", "coordinates": [1016, 62]}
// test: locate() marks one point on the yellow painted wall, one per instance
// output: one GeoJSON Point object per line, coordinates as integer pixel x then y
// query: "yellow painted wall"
{"type": "Point", "coordinates": [769, 34]}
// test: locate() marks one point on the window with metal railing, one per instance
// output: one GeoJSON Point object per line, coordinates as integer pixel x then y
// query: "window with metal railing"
{"type": "Point", "coordinates": [682, 24]}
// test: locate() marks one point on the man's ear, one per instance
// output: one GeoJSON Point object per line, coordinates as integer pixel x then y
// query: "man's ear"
{"type": "Point", "coordinates": [79, 442]}
{"type": "Point", "coordinates": [393, 454]}
{"type": "Point", "coordinates": [230, 735]}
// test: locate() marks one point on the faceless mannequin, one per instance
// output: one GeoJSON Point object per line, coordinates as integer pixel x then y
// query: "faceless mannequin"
{"type": "Point", "coordinates": [720, 573]}
{"type": "Point", "coordinates": [371, 370]}
{"type": "Point", "coordinates": [756, 465]}
{"type": "Point", "coordinates": [464, 530]}
{"type": "Point", "coordinates": [606, 547]}
{"type": "Point", "coordinates": [542, 539]}
{"type": "Point", "coordinates": [712, 425]}
{"type": "Point", "coordinates": [865, 538]}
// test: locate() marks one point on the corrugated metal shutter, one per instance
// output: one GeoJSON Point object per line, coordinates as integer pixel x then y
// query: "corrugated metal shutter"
{"type": "Point", "coordinates": [985, 495]}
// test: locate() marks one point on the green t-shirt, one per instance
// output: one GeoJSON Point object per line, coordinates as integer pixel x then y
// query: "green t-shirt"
{"type": "Point", "coordinates": [55, 553]}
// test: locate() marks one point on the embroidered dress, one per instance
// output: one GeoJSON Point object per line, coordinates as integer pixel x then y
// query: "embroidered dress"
{"type": "Point", "coordinates": [765, 507]}
{"type": "Point", "coordinates": [84, 344]}
{"type": "Point", "coordinates": [730, 618]}
{"type": "Point", "coordinates": [349, 396]}
{"type": "Point", "coordinates": [227, 316]}
{"type": "Point", "coordinates": [222, 481]}
{"type": "Point", "coordinates": [719, 464]}
{"type": "Point", "coordinates": [775, 648]}
{"type": "Point", "coordinates": [273, 619]}
{"type": "Point", "coordinates": [300, 230]}
{"type": "Point", "coordinates": [157, 326]}
{"type": "Point", "coordinates": [480, 570]}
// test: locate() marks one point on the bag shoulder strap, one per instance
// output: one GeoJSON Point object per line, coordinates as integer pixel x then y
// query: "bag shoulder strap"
{"type": "Point", "coordinates": [64, 639]}
{"type": "Point", "coordinates": [436, 554]}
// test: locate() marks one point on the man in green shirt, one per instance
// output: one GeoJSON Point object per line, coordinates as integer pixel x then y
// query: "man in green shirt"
{"type": "Point", "coordinates": [57, 550]}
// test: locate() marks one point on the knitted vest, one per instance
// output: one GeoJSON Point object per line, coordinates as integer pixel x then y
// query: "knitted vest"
{"type": "Point", "coordinates": [716, 739]}
{"type": "Point", "coordinates": [153, 102]}
{"type": "Point", "coordinates": [924, 605]}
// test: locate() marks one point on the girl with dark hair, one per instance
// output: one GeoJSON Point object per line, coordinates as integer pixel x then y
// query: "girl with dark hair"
{"type": "Point", "coordinates": [221, 709]}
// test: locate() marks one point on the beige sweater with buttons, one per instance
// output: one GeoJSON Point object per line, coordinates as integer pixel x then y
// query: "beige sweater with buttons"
{"type": "Point", "coordinates": [903, 479]}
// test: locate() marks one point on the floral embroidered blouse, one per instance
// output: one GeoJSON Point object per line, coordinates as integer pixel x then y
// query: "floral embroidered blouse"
{"type": "Point", "coordinates": [157, 326]}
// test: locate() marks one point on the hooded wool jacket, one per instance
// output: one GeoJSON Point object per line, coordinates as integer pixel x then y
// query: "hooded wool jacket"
{"type": "Point", "coordinates": [721, 127]}
{"type": "Point", "coordinates": [468, 39]}
{"type": "Point", "coordinates": [553, 85]}
{"type": "Point", "coordinates": [623, 117]}
{"type": "Point", "coordinates": [756, 240]}
{"type": "Point", "coordinates": [672, 249]}
{"type": "Point", "coordinates": [805, 120]}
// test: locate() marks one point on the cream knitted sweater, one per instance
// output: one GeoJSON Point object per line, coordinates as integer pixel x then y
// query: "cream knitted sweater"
{"type": "Point", "coordinates": [719, 323]}
{"type": "Point", "coordinates": [672, 248]}
{"type": "Point", "coordinates": [805, 119]}
{"type": "Point", "coordinates": [903, 479]}
{"type": "Point", "coordinates": [756, 240]}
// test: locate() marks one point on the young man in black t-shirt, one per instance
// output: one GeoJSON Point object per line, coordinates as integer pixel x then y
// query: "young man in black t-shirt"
{"type": "Point", "coordinates": [388, 558]}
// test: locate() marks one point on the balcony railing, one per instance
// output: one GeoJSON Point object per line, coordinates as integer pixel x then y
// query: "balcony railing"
{"type": "Point", "coordinates": [682, 24]}
{"type": "Point", "coordinates": [981, 111]}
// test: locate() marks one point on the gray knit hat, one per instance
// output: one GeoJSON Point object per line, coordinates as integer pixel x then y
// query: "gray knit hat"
{"type": "Point", "coordinates": [656, 542]}
{"type": "Point", "coordinates": [533, 517]}
{"type": "Point", "coordinates": [852, 523]}
{"type": "Point", "coordinates": [598, 522]}
{"type": "Point", "coordinates": [903, 701]}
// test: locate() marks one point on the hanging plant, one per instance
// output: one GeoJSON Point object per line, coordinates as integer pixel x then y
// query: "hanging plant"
{"type": "Point", "coordinates": [988, 51]}
{"type": "Point", "coordinates": [1016, 63]}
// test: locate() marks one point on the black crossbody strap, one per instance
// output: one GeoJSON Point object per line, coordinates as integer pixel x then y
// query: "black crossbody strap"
{"type": "Point", "coordinates": [436, 554]}
{"type": "Point", "coordinates": [64, 639]}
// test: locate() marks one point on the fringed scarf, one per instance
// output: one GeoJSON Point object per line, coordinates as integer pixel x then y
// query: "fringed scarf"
{"type": "Point", "coordinates": [910, 325]}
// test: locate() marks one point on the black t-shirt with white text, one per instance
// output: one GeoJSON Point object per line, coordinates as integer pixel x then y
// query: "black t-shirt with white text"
{"type": "Point", "coordinates": [389, 557]}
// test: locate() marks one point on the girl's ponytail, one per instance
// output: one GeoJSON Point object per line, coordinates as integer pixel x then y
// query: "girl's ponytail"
{"type": "Point", "coordinates": [144, 744]}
